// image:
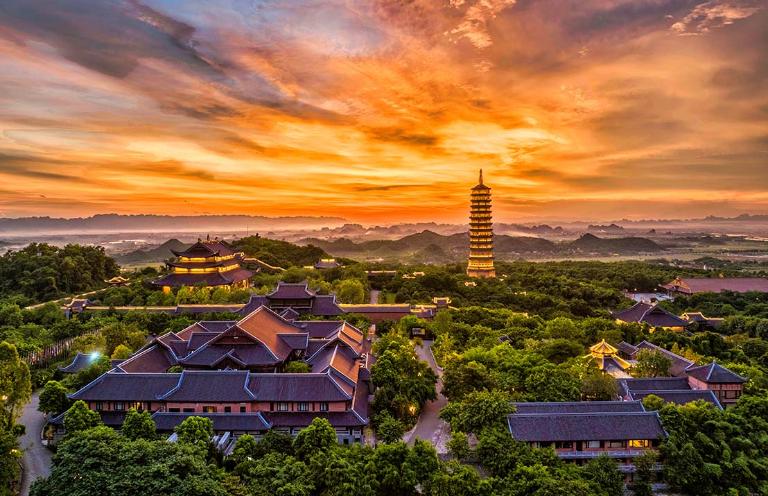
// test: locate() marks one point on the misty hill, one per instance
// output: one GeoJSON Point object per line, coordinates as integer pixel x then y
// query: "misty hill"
{"type": "Point", "coordinates": [156, 254]}
{"type": "Point", "coordinates": [274, 252]}
{"type": "Point", "coordinates": [589, 243]}
{"type": "Point", "coordinates": [163, 223]}
{"type": "Point", "coordinates": [428, 246]}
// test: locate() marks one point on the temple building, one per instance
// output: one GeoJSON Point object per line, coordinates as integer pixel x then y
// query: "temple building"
{"type": "Point", "coordinates": [651, 314]}
{"type": "Point", "coordinates": [693, 285]}
{"type": "Point", "coordinates": [607, 359]}
{"type": "Point", "coordinates": [480, 232]}
{"type": "Point", "coordinates": [207, 263]}
{"type": "Point", "coordinates": [584, 430]}
{"type": "Point", "coordinates": [233, 372]}
{"type": "Point", "coordinates": [686, 382]}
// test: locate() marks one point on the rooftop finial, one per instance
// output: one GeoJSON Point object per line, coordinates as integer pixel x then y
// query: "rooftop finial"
{"type": "Point", "coordinates": [481, 176]}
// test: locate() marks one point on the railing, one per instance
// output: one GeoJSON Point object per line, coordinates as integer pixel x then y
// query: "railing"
{"type": "Point", "coordinates": [50, 353]}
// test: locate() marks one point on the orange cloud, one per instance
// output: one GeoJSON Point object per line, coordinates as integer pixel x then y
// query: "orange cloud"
{"type": "Point", "coordinates": [383, 110]}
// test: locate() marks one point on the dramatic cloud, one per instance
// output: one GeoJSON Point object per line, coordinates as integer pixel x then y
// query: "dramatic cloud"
{"type": "Point", "coordinates": [383, 110]}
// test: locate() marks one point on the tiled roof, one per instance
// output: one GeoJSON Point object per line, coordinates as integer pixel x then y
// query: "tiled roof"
{"type": "Point", "coordinates": [205, 385]}
{"type": "Point", "coordinates": [254, 302]}
{"type": "Point", "coordinates": [266, 326]}
{"type": "Point", "coordinates": [548, 407]}
{"type": "Point", "coordinates": [296, 387]}
{"type": "Point", "coordinates": [626, 348]}
{"type": "Point", "coordinates": [115, 386]}
{"type": "Point", "coordinates": [714, 373]}
{"type": "Point", "coordinates": [302, 419]}
{"type": "Point", "coordinates": [652, 315]}
{"type": "Point", "coordinates": [203, 249]}
{"type": "Point", "coordinates": [603, 426]}
{"type": "Point", "coordinates": [680, 397]}
{"type": "Point", "coordinates": [291, 291]}
{"type": "Point", "coordinates": [81, 361]}
{"type": "Point", "coordinates": [153, 359]}
{"type": "Point", "coordinates": [208, 279]}
{"type": "Point", "coordinates": [325, 305]}
{"type": "Point", "coordinates": [319, 328]}
{"type": "Point", "coordinates": [222, 422]}
{"type": "Point", "coordinates": [690, 285]}
{"type": "Point", "coordinates": [630, 386]}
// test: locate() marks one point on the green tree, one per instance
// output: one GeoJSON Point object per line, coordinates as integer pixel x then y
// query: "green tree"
{"type": "Point", "coordinates": [121, 352]}
{"type": "Point", "coordinates": [79, 418]}
{"type": "Point", "coordinates": [644, 474]}
{"type": "Point", "coordinates": [477, 411]}
{"type": "Point", "coordinates": [297, 367]}
{"type": "Point", "coordinates": [101, 462]}
{"type": "Point", "coordinates": [605, 473]}
{"type": "Point", "coordinates": [245, 448]}
{"type": "Point", "coordinates": [195, 430]}
{"type": "Point", "coordinates": [458, 445]}
{"type": "Point", "coordinates": [389, 429]}
{"type": "Point", "coordinates": [10, 456]}
{"type": "Point", "coordinates": [651, 363]}
{"type": "Point", "coordinates": [139, 425]}
{"type": "Point", "coordinates": [350, 291]}
{"type": "Point", "coordinates": [53, 398]}
{"type": "Point", "coordinates": [598, 386]}
{"type": "Point", "coordinates": [317, 437]}
{"type": "Point", "coordinates": [15, 384]}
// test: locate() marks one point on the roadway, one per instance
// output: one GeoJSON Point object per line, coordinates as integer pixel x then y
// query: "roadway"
{"type": "Point", "coordinates": [430, 427]}
{"type": "Point", "coordinates": [37, 458]}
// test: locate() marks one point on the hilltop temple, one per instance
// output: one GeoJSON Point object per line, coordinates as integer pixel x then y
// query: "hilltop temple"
{"type": "Point", "coordinates": [205, 264]}
{"type": "Point", "coordinates": [480, 232]}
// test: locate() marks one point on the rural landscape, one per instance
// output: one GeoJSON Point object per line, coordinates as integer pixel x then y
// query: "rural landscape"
{"type": "Point", "coordinates": [383, 248]}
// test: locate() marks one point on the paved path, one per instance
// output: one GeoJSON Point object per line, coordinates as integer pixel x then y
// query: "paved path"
{"type": "Point", "coordinates": [430, 427]}
{"type": "Point", "coordinates": [375, 296]}
{"type": "Point", "coordinates": [37, 458]}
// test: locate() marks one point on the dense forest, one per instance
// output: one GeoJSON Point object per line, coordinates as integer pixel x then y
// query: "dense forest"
{"type": "Point", "coordinates": [521, 337]}
{"type": "Point", "coordinates": [40, 272]}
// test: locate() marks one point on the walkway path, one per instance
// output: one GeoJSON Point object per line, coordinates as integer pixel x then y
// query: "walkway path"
{"type": "Point", "coordinates": [37, 458]}
{"type": "Point", "coordinates": [375, 296]}
{"type": "Point", "coordinates": [430, 427]}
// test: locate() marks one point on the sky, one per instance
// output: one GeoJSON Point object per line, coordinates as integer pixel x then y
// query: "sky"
{"type": "Point", "coordinates": [383, 111]}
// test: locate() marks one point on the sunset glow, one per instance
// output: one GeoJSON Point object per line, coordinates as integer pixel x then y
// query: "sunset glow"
{"type": "Point", "coordinates": [383, 111]}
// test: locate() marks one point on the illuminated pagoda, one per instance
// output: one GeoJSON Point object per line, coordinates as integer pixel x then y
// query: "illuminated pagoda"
{"type": "Point", "coordinates": [206, 263]}
{"type": "Point", "coordinates": [480, 232]}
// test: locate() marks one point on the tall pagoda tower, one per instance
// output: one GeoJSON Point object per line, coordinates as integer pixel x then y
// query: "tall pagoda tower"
{"type": "Point", "coordinates": [480, 232]}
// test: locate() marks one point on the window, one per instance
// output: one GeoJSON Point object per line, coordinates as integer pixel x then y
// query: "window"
{"type": "Point", "coordinates": [227, 409]}
{"type": "Point", "coordinates": [563, 445]}
{"type": "Point", "coordinates": [137, 405]}
{"type": "Point", "coordinates": [119, 406]}
{"type": "Point", "coordinates": [593, 444]}
{"type": "Point", "coordinates": [732, 394]}
{"type": "Point", "coordinates": [303, 406]}
{"type": "Point", "coordinates": [282, 407]}
{"type": "Point", "coordinates": [189, 410]}
{"type": "Point", "coordinates": [639, 443]}
{"type": "Point", "coordinates": [242, 408]}
{"type": "Point", "coordinates": [324, 406]}
{"type": "Point", "coordinates": [209, 409]}
{"type": "Point", "coordinates": [615, 444]}
{"type": "Point", "coordinates": [173, 410]}
{"type": "Point", "coordinates": [99, 406]}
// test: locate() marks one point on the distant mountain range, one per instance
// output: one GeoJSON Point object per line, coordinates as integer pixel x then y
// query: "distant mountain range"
{"type": "Point", "coordinates": [164, 223]}
{"type": "Point", "coordinates": [429, 246]}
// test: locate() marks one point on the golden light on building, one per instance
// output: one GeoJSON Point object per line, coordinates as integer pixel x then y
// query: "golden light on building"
{"type": "Point", "coordinates": [480, 232]}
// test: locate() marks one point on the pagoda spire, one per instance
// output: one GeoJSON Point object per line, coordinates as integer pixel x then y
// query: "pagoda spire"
{"type": "Point", "coordinates": [480, 262]}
